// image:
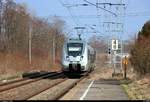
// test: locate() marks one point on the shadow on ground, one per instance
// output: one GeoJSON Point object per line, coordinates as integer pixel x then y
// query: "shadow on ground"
{"type": "Point", "coordinates": [44, 74]}
{"type": "Point", "coordinates": [113, 81]}
{"type": "Point", "coordinates": [74, 75]}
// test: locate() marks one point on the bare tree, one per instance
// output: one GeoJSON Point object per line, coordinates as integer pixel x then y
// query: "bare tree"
{"type": "Point", "coordinates": [99, 43]}
{"type": "Point", "coordinates": [15, 25]}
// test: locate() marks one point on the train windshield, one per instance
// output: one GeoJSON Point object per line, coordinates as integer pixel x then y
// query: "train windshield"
{"type": "Point", "coordinates": [74, 49]}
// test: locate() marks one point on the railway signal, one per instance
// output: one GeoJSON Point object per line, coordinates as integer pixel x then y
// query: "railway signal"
{"type": "Point", "coordinates": [109, 51]}
{"type": "Point", "coordinates": [115, 44]}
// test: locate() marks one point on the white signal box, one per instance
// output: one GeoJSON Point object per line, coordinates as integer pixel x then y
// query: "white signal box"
{"type": "Point", "coordinates": [115, 44]}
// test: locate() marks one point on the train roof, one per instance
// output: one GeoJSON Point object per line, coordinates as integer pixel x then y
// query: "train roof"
{"type": "Point", "coordinates": [73, 40]}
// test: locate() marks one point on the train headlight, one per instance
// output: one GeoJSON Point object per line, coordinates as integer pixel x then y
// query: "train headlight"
{"type": "Point", "coordinates": [81, 58]}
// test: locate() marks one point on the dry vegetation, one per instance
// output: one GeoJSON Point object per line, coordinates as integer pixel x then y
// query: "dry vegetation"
{"type": "Point", "coordinates": [102, 70]}
{"type": "Point", "coordinates": [140, 53]}
{"type": "Point", "coordinates": [15, 25]}
{"type": "Point", "coordinates": [139, 88]}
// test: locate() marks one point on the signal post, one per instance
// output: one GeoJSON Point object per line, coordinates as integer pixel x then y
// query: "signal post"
{"type": "Point", "coordinates": [125, 63]}
{"type": "Point", "coordinates": [114, 48]}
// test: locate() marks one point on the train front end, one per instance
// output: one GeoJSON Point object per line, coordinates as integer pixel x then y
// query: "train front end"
{"type": "Point", "coordinates": [74, 57]}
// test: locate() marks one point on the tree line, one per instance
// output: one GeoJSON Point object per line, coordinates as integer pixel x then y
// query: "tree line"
{"type": "Point", "coordinates": [16, 23]}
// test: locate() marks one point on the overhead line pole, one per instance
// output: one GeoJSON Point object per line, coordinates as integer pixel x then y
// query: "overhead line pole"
{"type": "Point", "coordinates": [30, 42]}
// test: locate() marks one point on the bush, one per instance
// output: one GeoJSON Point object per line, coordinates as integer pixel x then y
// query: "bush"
{"type": "Point", "coordinates": [140, 53]}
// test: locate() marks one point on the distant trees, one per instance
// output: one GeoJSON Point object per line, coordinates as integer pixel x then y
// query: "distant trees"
{"type": "Point", "coordinates": [99, 43]}
{"type": "Point", "coordinates": [140, 52]}
{"type": "Point", "coordinates": [15, 25]}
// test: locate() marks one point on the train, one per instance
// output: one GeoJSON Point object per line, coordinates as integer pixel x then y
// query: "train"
{"type": "Point", "coordinates": [77, 56]}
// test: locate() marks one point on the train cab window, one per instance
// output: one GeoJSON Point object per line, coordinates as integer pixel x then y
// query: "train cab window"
{"type": "Point", "coordinates": [74, 49]}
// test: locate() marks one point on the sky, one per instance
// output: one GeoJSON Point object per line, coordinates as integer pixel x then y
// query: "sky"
{"type": "Point", "coordinates": [137, 13]}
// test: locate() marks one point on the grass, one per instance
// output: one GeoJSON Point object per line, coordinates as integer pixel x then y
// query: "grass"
{"type": "Point", "coordinates": [136, 91]}
{"type": "Point", "coordinates": [13, 65]}
{"type": "Point", "coordinates": [10, 76]}
{"type": "Point", "coordinates": [128, 92]}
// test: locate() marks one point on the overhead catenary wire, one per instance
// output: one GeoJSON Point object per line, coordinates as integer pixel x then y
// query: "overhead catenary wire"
{"type": "Point", "coordinates": [101, 8]}
{"type": "Point", "coordinates": [74, 17]}
{"type": "Point", "coordinates": [77, 18]}
{"type": "Point", "coordinates": [69, 11]}
{"type": "Point", "coordinates": [130, 14]}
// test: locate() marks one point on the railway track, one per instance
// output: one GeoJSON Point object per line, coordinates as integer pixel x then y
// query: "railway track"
{"type": "Point", "coordinates": [56, 92]}
{"type": "Point", "coordinates": [19, 90]}
{"type": "Point", "coordinates": [24, 81]}
{"type": "Point", "coordinates": [31, 89]}
{"type": "Point", "coordinates": [25, 77]}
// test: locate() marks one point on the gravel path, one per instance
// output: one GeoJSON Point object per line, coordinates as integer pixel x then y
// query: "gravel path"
{"type": "Point", "coordinates": [56, 91]}
{"type": "Point", "coordinates": [25, 91]}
